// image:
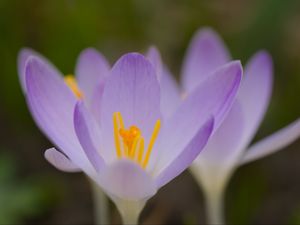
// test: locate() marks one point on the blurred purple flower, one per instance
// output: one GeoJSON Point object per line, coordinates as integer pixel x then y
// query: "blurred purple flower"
{"type": "Point", "coordinates": [228, 147]}
{"type": "Point", "coordinates": [131, 150]}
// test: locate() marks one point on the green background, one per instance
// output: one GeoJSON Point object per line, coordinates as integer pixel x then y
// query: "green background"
{"type": "Point", "coordinates": [32, 191]}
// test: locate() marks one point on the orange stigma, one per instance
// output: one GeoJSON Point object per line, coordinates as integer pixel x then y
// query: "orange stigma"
{"type": "Point", "coordinates": [130, 137]}
{"type": "Point", "coordinates": [130, 142]}
{"type": "Point", "coordinates": [72, 84]}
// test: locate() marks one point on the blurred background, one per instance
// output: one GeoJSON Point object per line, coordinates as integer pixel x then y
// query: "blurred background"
{"type": "Point", "coordinates": [33, 192]}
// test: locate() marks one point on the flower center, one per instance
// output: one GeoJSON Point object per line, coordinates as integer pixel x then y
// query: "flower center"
{"type": "Point", "coordinates": [130, 142]}
{"type": "Point", "coordinates": [72, 84]}
{"type": "Point", "coordinates": [129, 137]}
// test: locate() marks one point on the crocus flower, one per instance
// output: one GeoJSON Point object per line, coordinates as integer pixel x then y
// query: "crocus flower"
{"type": "Point", "coordinates": [131, 151]}
{"type": "Point", "coordinates": [90, 73]}
{"type": "Point", "coordinates": [228, 147]}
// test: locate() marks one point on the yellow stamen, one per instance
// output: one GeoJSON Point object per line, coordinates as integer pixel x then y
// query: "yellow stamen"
{"type": "Point", "coordinates": [116, 135]}
{"type": "Point", "coordinates": [129, 136]}
{"type": "Point", "coordinates": [151, 143]}
{"type": "Point", "coordinates": [140, 150]}
{"type": "Point", "coordinates": [120, 118]}
{"type": "Point", "coordinates": [72, 84]}
{"type": "Point", "coordinates": [130, 142]}
{"type": "Point", "coordinates": [125, 149]}
{"type": "Point", "coordinates": [133, 149]}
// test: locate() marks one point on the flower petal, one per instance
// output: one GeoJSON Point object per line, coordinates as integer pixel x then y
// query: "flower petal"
{"type": "Point", "coordinates": [170, 94]}
{"type": "Point", "coordinates": [155, 58]}
{"type": "Point", "coordinates": [133, 90]}
{"type": "Point", "coordinates": [223, 147]}
{"type": "Point", "coordinates": [223, 151]}
{"type": "Point", "coordinates": [128, 181]}
{"type": "Point", "coordinates": [186, 157]}
{"type": "Point", "coordinates": [23, 56]}
{"type": "Point", "coordinates": [255, 92]}
{"type": "Point", "coordinates": [96, 101]}
{"type": "Point", "coordinates": [205, 54]}
{"type": "Point", "coordinates": [91, 68]}
{"type": "Point", "coordinates": [60, 161]}
{"type": "Point", "coordinates": [88, 133]}
{"type": "Point", "coordinates": [273, 143]}
{"type": "Point", "coordinates": [213, 97]}
{"type": "Point", "coordinates": [169, 90]}
{"type": "Point", "coordinates": [52, 104]}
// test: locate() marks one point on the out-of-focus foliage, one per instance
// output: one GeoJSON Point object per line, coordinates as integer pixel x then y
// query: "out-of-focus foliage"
{"type": "Point", "coordinates": [22, 198]}
{"type": "Point", "coordinates": [295, 218]}
{"type": "Point", "coordinates": [244, 200]}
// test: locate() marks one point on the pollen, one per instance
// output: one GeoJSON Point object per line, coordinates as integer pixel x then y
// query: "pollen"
{"type": "Point", "coordinates": [72, 84]}
{"type": "Point", "coordinates": [130, 143]}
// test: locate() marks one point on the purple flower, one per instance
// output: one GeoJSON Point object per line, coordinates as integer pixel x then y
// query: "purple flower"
{"type": "Point", "coordinates": [126, 146]}
{"type": "Point", "coordinates": [90, 73]}
{"type": "Point", "coordinates": [229, 148]}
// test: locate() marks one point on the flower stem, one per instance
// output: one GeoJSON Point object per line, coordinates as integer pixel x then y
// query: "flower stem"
{"type": "Point", "coordinates": [130, 211]}
{"type": "Point", "coordinates": [214, 187]}
{"type": "Point", "coordinates": [215, 208]}
{"type": "Point", "coordinates": [100, 205]}
{"type": "Point", "coordinates": [131, 219]}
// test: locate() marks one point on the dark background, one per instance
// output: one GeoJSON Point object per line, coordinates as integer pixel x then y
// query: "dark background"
{"type": "Point", "coordinates": [32, 191]}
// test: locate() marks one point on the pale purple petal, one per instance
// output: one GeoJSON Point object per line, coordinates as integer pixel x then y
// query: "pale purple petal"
{"type": "Point", "coordinates": [169, 89]}
{"type": "Point", "coordinates": [88, 133]}
{"type": "Point", "coordinates": [91, 68]}
{"type": "Point", "coordinates": [205, 54]}
{"type": "Point", "coordinates": [255, 92]}
{"type": "Point", "coordinates": [224, 147]}
{"type": "Point", "coordinates": [133, 90]}
{"type": "Point", "coordinates": [213, 97]}
{"type": "Point", "coordinates": [52, 104]}
{"type": "Point", "coordinates": [23, 56]}
{"type": "Point", "coordinates": [154, 57]}
{"type": "Point", "coordinates": [215, 164]}
{"type": "Point", "coordinates": [273, 143]}
{"type": "Point", "coordinates": [186, 157]}
{"type": "Point", "coordinates": [96, 101]}
{"type": "Point", "coordinates": [170, 94]}
{"type": "Point", "coordinates": [128, 181]}
{"type": "Point", "coordinates": [60, 161]}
